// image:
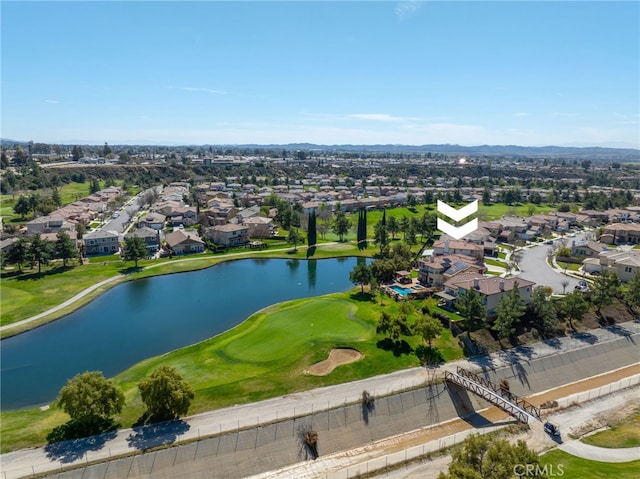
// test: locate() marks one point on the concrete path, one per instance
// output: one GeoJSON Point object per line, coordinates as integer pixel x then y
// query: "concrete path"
{"type": "Point", "coordinates": [551, 362]}
{"type": "Point", "coordinates": [602, 454]}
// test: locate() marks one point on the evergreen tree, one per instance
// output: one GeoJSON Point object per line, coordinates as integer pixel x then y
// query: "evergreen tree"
{"type": "Point", "coordinates": [18, 253]}
{"type": "Point", "coordinates": [341, 225]}
{"type": "Point", "coordinates": [472, 310]}
{"type": "Point", "coordinates": [509, 311]}
{"type": "Point", "coordinates": [312, 237]}
{"type": "Point", "coordinates": [64, 247]}
{"type": "Point", "coordinates": [40, 251]}
{"type": "Point", "coordinates": [543, 309]}
{"type": "Point", "coordinates": [135, 249]}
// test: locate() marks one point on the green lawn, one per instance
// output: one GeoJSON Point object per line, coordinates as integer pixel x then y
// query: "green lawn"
{"type": "Point", "coordinates": [626, 434]}
{"type": "Point", "coordinates": [497, 210]}
{"type": "Point", "coordinates": [494, 262]}
{"type": "Point", "coordinates": [263, 357]}
{"type": "Point", "coordinates": [570, 467]}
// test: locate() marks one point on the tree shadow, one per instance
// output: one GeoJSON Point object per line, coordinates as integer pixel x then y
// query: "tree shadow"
{"type": "Point", "coordinates": [72, 440]}
{"type": "Point", "coordinates": [429, 355]}
{"type": "Point", "coordinates": [308, 441]}
{"type": "Point", "coordinates": [311, 251]}
{"type": "Point", "coordinates": [398, 347]}
{"type": "Point", "coordinates": [555, 343]}
{"type": "Point", "coordinates": [130, 270]}
{"type": "Point", "coordinates": [620, 331]}
{"type": "Point", "coordinates": [368, 409]}
{"type": "Point", "coordinates": [157, 434]}
{"type": "Point", "coordinates": [22, 276]}
{"type": "Point", "coordinates": [586, 337]}
{"type": "Point", "coordinates": [363, 297]}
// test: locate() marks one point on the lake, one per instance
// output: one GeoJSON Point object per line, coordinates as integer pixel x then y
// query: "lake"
{"type": "Point", "coordinates": [144, 318]}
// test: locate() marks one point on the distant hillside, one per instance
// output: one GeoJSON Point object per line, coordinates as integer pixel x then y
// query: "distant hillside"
{"type": "Point", "coordinates": [573, 153]}
{"type": "Point", "coordinates": [591, 153]}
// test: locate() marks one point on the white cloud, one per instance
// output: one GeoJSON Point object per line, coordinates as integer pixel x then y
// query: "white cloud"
{"type": "Point", "coordinates": [375, 117]}
{"type": "Point", "coordinates": [407, 9]}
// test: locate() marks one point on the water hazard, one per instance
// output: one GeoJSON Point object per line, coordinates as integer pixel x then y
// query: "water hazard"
{"type": "Point", "coordinates": [145, 318]}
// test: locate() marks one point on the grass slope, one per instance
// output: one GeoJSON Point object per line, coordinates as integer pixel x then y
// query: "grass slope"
{"type": "Point", "coordinates": [567, 466]}
{"type": "Point", "coordinates": [626, 434]}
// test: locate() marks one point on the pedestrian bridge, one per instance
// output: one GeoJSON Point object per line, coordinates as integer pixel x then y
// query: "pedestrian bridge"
{"type": "Point", "coordinates": [500, 397]}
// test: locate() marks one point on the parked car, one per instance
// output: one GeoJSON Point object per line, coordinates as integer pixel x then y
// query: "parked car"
{"type": "Point", "coordinates": [582, 286]}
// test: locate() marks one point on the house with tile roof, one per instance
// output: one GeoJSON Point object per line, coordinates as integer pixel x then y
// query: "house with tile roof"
{"type": "Point", "coordinates": [490, 288]}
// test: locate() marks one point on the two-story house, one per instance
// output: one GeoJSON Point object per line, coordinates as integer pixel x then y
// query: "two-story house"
{"type": "Point", "coordinates": [228, 235]}
{"type": "Point", "coordinates": [101, 242]}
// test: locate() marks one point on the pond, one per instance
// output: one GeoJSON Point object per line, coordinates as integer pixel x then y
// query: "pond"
{"type": "Point", "coordinates": [144, 318]}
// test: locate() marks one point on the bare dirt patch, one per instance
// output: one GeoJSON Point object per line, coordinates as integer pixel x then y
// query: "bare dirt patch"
{"type": "Point", "coordinates": [336, 358]}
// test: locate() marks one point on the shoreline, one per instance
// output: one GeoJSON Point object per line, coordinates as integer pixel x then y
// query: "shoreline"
{"type": "Point", "coordinates": [89, 294]}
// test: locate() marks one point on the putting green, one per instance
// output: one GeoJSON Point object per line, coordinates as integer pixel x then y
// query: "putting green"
{"type": "Point", "coordinates": [291, 330]}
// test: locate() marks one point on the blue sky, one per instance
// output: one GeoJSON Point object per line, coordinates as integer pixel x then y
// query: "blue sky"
{"type": "Point", "coordinates": [471, 73]}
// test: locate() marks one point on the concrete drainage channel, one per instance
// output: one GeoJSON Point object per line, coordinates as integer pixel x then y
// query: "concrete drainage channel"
{"type": "Point", "coordinates": [277, 446]}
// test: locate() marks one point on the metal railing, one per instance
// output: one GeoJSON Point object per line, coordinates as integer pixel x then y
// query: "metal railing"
{"type": "Point", "coordinates": [495, 394]}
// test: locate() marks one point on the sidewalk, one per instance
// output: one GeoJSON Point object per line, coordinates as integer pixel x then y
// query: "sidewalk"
{"type": "Point", "coordinates": [26, 462]}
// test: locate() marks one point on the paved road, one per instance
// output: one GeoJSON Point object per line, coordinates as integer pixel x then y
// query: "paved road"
{"type": "Point", "coordinates": [532, 368]}
{"type": "Point", "coordinates": [534, 267]}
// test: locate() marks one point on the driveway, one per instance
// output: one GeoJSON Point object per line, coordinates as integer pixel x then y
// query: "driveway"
{"type": "Point", "coordinates": [534, 267]}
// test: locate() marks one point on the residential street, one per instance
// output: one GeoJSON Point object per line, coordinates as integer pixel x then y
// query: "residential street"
{"type": "Point", "coordinates": [534, 267]}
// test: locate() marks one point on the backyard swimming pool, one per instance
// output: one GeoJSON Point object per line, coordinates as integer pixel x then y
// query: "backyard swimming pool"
{"type": "Point", "coordinates": [402, 291]}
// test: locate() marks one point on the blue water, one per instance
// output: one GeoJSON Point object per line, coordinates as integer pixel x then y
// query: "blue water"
{"type": "Point", "coordinates": [140, 319]}
{"type": "Point", "coordinates": [402, 291]}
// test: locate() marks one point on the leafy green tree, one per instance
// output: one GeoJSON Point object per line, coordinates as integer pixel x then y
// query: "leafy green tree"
{"type": "Point", "coordinates": [22, 207]}
{"type": "Point", "coordinates": [380, 237]}
{"type": "Point", "coordinates": [165, 393]}
{"type": "Point", "coordinates": [64, 247]}
{"type": "Point", "coordinates": [509, 311]}
{"type": "Point", "coordinates": [574, 307]}
{"type": "Point", "coordinates": [604, 289]}
{"type": "Point", "coordinates": [404, 224]}
{"type": "Point", "coordinates": [543, 309]}
{"type": "Point", "coordinates": [34, 202]}
{"type": "Point", "coordinates": [94, 186]}
{"type": "Point", "coordinates": [76, 153]}
{"type": "Point", "coordinates": [484, 456]}
{"type": "Point", "coordinates": [472, 310]}
{"type": "Point", "coordinates": [89, 397]}
{"type": "Point", "coordinates": [40, 251]}
{"type": "Point", "coordinates": [361, 274]}
{"type": "Point", "coordinates": [19, 253]}
{"type": "Point", "coordinates": [393, 227]}
{"type": "Point", "coordinates": [341, 224]}
{"type": "Point", "coordinates": [135, 249]}
{"type": "Point", "coordinates": [632, 295]}
{"type": "Point", "coordinates": [294, 238]}
{"type": "Point", "coordinates": [384, 323]}
{"type": "Point", "coordinates": [427, 327]}
{"type": "Point", "coordinates": [383, 270]}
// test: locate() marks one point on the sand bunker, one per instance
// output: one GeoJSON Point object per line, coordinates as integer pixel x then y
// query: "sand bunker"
{"type": "Point", "coordinates": [335, 359]}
